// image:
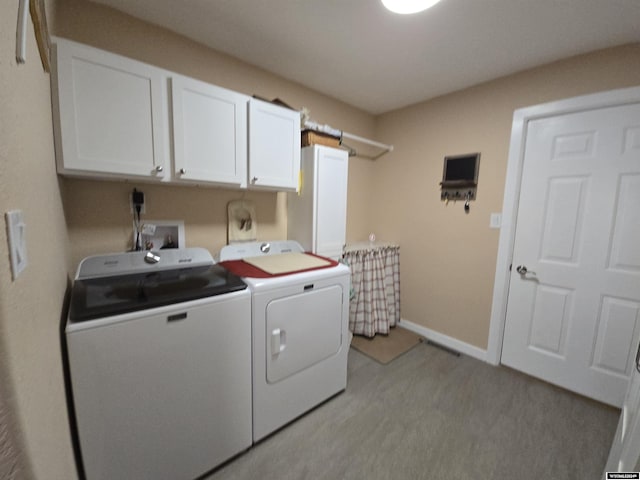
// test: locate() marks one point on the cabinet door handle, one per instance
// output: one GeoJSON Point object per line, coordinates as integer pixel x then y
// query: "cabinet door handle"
{"type": "Point", "coordinates": [183, 171]}
{"type": "Point", "coordinates": [159, 168]}
{"type": "Point", "coordinates": [254, 179]}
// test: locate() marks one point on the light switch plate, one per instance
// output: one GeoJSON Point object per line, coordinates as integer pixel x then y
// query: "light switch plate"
{"type": "Point", "coordinates": [496, 220]}
{"type": "Point", "coordinates": [16, 236]}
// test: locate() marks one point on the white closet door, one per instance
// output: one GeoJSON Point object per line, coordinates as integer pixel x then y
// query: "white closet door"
{"type": "Point", "coordinates": [574, 297]}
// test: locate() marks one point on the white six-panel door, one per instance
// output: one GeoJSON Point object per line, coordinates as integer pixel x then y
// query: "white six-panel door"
{"type": "Point", "coordinates": [572, 316]}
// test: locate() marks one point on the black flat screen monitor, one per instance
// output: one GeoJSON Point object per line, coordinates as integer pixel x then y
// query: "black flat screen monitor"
{"type": "Point", "coordinates": [461, 170]}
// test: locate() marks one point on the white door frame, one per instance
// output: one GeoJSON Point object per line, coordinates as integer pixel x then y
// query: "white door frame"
{"type": "Point", "coordinates": [521, 118]}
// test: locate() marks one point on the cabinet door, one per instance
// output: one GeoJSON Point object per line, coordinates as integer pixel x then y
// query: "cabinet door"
{"type": "Point", "coordinates": [110, 114]}
{"type": "Point", "coordinates": [331, 174]}
{"type": "Point", "coordinates": [210, 133]}
{"type": "Point", "coordinates": [274, 146]}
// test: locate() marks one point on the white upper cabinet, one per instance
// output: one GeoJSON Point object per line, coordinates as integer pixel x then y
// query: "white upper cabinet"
{"type": "Point", "coordinates": [112, 119]}
{"type": "Point", "coordinates": [274, 146]}
{"type": "Point", "coordinates": [209, 133]}
{"type": "Point", "coordinates": [111, 114]}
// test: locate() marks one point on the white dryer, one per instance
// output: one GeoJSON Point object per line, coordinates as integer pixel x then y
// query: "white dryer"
{"type": "Point", "coordinates": [299, 332]}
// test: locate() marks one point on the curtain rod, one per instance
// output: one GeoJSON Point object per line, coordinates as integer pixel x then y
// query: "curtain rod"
{"type": "Point", "coordinates": [342, 134]}
{"type": "Point", "coordinates": [388, 148]}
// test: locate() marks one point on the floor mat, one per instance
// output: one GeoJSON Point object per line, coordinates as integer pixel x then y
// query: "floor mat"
{"type": "Point", "coordinates": [385, 348]}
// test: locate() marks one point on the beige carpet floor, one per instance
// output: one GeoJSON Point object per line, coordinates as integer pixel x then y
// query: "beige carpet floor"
{"type": "Point", "coordinates": [385, 348]}
{"type": "Point", "coordinates": [430, 415]}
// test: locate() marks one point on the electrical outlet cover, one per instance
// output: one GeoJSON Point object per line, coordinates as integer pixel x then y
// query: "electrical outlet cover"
{"type": "Point", "coordinates": [16, 236]}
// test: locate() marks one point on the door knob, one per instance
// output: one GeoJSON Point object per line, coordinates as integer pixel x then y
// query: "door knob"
{"type": "Point", "coordinates": [521, 269]}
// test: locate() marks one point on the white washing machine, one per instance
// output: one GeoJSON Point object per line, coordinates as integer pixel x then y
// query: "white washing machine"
{"type": "Point", "coordinates": [300, 333]}
{"type": "Point", "coordinates": [159, 348]}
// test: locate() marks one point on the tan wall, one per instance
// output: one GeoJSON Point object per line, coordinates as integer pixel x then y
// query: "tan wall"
{"type": "Point", "coordinates": [99, 218]}
{"type": "Point", "coordinates": [34, 434]}
{"type": "Point", "coordinates": [98, 212]}
{"type": "Point", "coordinates": [448, 258]}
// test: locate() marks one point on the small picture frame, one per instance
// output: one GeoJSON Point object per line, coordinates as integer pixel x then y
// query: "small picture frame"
{"type": "Point", "coordinates": [160, 234]}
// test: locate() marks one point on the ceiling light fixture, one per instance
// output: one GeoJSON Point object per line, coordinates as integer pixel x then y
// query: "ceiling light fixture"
{"type": "Point", "coordinates": [408, 6]}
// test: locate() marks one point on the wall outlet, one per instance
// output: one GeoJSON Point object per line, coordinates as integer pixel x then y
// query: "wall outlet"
{"type": "Point", "coordinates": [132, 208]}
{"type": "Point", "coordinates": [16, 236]}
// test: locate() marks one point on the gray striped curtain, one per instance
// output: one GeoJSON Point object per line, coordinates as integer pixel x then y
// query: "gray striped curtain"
{"type": "Point", "coordinates": [375, 279]}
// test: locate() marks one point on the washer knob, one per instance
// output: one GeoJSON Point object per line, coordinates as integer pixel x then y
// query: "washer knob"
{"type": "Point", "coordinates": [151, 257]}
{"type": "Point", "coordinates": [265, 247]}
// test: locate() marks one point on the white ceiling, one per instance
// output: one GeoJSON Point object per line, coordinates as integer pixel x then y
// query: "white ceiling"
{"type": "Point", "coordinates": [357, 52]}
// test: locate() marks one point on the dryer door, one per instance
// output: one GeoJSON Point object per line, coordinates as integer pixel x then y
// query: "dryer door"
{"type": "Point", "coordinates": [302, 330]}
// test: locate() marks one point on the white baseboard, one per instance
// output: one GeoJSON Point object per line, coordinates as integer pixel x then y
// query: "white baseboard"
{"type": "Point", "coordinates": [445, 340]}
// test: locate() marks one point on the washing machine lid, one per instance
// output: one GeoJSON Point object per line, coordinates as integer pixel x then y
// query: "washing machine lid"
{"type": "Point", "coordinates": [98, 296]}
